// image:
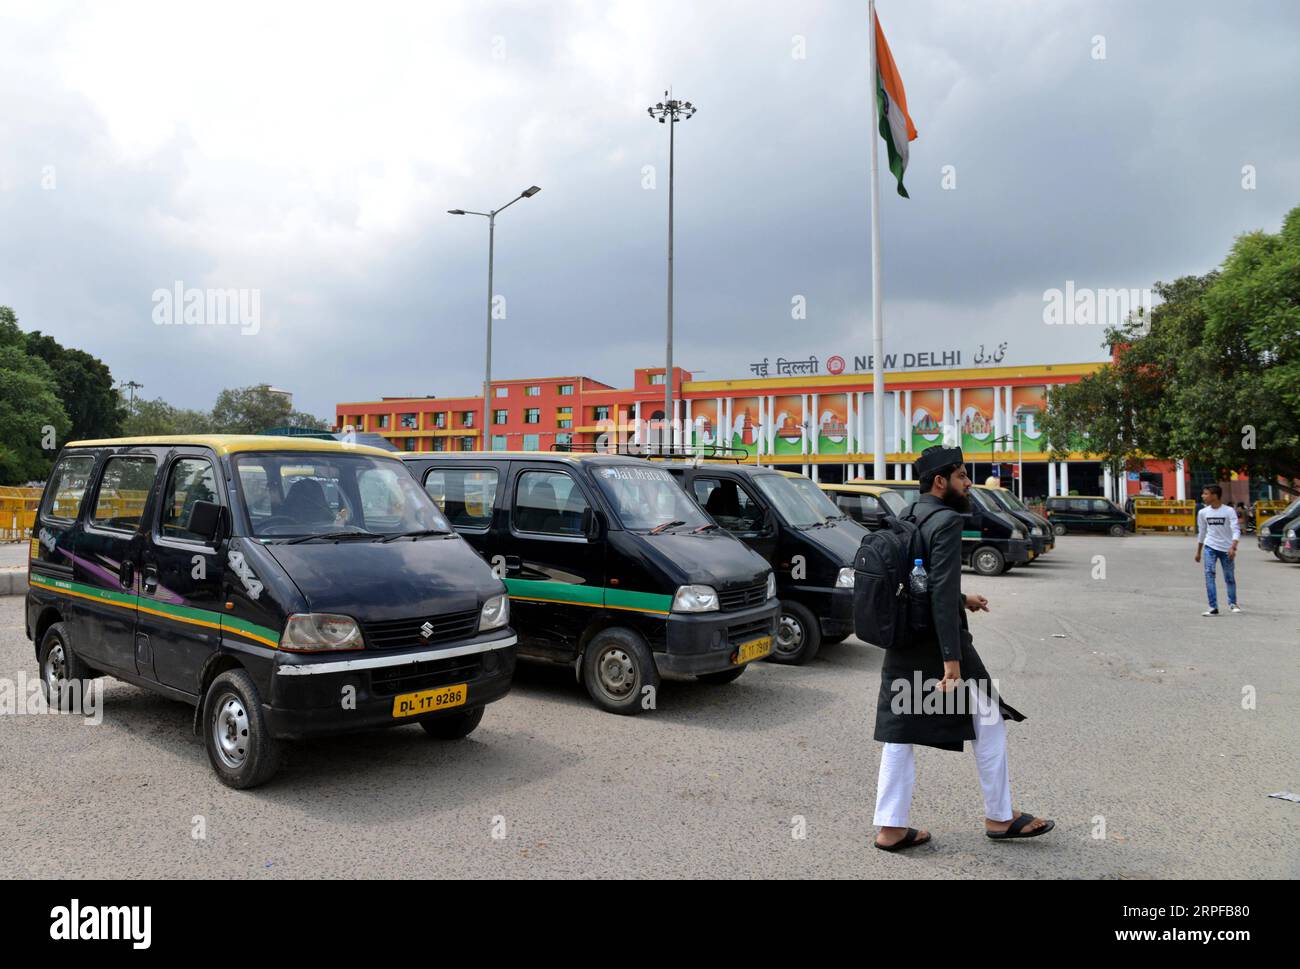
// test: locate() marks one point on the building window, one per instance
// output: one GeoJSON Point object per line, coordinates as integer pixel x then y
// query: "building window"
{"type": "Point", "coordinates": [440, 419]}
{"type": "Point", "coordinates": [565, 439]}
{"type": "Point", "coordinates": [382, 423]}
{"type": "Point", "coordinates": [467, 418]}
{"type": "Point", "coordinates": [498, 442]}
{"type": "Point", "coordinates": [533, 415]}
{"type": "Point", "coordinates": [656, 378]}
{"type": "Point", "coordinates": [532, 442]}
{"type": "Point", "coordinates": [532, 391]}
{"type": "Point", "coordinates": [500, 417]}
{"type": "Point", "coordinates": [600, 413]}
{"type": "Point", "coordinates": [501, 391]}
{"type": "Point", "coordinates": [564, 422]}
{"type": "Point", "coordinates": [439, 444]}
{"type": "Point", "coordinates": [566, 390]}
{"type": "Point", "coordinates": [409, 444]}
{"type": "Point", "coordinates": [410, 422]}
{"type": "Point", "coordinates": [467, 444]}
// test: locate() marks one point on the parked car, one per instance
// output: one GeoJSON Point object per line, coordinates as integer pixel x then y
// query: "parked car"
{"type": "Point", "coordinates": [793, 526]}
{"type": "Point", "coordinates": [284, 587]}
{"type": "Point", "coordinates": [1087, 513]}
{"type": "Point", "coordinates": [611, 569]}
{"type": "Point", "coordinates": [1273, 531]}
{"type": "Point", "coordinates": [868, 505]}
{"type": "Point", "coordinates": [1041, 537]}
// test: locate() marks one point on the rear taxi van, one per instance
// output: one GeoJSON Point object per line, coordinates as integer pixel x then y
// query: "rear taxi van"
{"type": "Point", "coordinates": [285, 587]}
{"type": "Point", "coordinates": [612, 569]}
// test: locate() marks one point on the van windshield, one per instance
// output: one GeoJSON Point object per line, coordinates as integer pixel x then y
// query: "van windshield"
{"type": "Point", "coordinates": [792, 505]}
{"type": "Point", "coordinates": [894, 502]}
{"type": "Point", "coordinates": [820, 501]}
{"type": "Point", "coordinates": [646, 498]}
{"type": "Point", "coordinates": [1007, 499]}
{"type": "Point", "coordinates": [301, 495]}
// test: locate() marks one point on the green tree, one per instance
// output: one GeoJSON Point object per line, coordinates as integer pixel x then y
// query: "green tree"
{"type": "Point", "coordinates": [85, 386]}
{"type": "Point", "coordinates": [32, 421]}
{"type": "Point", "coordinates": [157, 417]}
{"type": "Point", "coordinates": [251, 410]}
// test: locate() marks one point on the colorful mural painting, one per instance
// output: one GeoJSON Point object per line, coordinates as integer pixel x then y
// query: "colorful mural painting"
{"type": "Point", "coordinates": [704, 421]}
{"type": "Point", "coordinates": [833, 424]}
{"type": "Point", "coordinates": [926, 418]}
{"type": "Point", "coordinates": [789, 424]}
{"type": "Point", "coordinates": [1027, 403]}
{"type": "Point", "coordinates": [977, 430]}
{"type": "Point", "coordinates": [746, 423]}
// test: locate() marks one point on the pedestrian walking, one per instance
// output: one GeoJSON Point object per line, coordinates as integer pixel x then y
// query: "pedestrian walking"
{"type": "Point", "coordinates": [1218, 531]}
{"type": "Point", "coordinates": [935, 691]}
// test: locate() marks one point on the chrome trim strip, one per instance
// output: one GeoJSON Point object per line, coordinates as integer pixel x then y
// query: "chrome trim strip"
{"type": "Point", "coordinates": [371, 662]}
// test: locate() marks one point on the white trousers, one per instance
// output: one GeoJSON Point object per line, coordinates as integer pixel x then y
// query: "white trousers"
{"type": "Point", "coordinates": [898, 770]}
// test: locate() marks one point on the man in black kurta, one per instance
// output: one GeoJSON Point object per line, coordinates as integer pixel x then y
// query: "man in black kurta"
{"type": "Point", "coordinates": [936, 691]}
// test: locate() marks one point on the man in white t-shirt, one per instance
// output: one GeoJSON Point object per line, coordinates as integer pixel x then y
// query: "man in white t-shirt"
{"type": "Point", "coordinates": [1218, 531]}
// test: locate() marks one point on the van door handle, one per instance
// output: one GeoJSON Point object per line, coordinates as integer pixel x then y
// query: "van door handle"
{"type": "Point", "coordinates": [514, 563]}
{"type": "Point", "coordinates": [126, 575]}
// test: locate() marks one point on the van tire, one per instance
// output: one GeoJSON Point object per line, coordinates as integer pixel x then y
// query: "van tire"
{"type": "Point", "coordinates": [1058, 529]}
{"type": "Point", "coordinates": [801, 632]}
{"type": "Point", "coordinates": [722, 676]}
{"type": "Point", "coordinates": [250, 756]}
{"type": "Point", "coordinates": [59, 661]}
{"type": "Point", "coordinates": [987, 560]}
{"type": "Point", "coordinates": [617, 669]}
{"type": "Point", "coordinates": [455, 726]}
{"type": "Point", "coordinates": [1117, 531]}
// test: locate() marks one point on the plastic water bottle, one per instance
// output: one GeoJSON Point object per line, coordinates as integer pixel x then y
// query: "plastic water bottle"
{"type": "Point", "coordinates": [918, 581]}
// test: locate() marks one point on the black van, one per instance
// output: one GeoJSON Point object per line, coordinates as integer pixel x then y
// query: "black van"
{"type": "Point", "coordinates": [1041, 537]}
{"type": "Point", "coordinates": [809, 542]}
{"type": "Point", "coordinates": [286, 587]}
{"type": "Point", "coordinates": [1088, 513]}
{"type": "Point", "coordinates": [992, 542]}
{"type": "Point", "coordinates": [611, 570]}
{"type": "Point", "coordinates": [1274, 532]}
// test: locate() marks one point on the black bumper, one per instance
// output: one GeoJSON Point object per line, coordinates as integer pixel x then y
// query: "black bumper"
{"type": "Point", "coordinates": [707, 642]}
{"type": "Point", "coordinates": [1014, 550]}
{"type": "Point", "coordinates": [321, 703]}
{"type": "Point", "coordinates": [832, 606]}
{"type": "Point", "coordinates": [1269, 543]}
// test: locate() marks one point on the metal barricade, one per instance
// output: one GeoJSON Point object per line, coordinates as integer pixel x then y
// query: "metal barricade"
{"type": "Point", "coordinates": [1266, 508]}
{"type": "Point", "coordinates": [18, 513]}
{"type": "Point", "coordinates": [1164, 515]}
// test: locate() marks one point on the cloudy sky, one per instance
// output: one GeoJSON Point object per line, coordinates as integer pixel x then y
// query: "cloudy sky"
{"type": "Point", "coordinates": [310, 152]}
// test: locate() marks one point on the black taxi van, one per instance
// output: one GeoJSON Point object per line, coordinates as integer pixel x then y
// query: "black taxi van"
{"type": "Point", "coordinates": [809, 542]}
{"type": "Point", "coordinates": [992, 542]}
{"type": "Point", "coordinates": [286, 587]}
{"type": "Point", "coordinates": [1041, 537]}
{"type": "Point", "coordinates": [610, 568]}
{"type": "Point", "coordinates": [1088, 513]}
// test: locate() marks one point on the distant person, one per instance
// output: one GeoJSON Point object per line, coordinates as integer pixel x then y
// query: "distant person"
{"type": "Point", "coordinates": [935, 691]}
{"type": "Point", "coordinates": [1218, 531]}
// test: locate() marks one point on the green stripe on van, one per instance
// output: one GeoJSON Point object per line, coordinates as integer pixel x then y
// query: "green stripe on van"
{"type": "Point", "coordinates": [588, 595]}
{"type": "Point", "coordinates": [974, 534]}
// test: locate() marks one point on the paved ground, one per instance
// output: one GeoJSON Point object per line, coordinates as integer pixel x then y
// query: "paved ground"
{"type": "Point", "coordinates": [1135, 717]}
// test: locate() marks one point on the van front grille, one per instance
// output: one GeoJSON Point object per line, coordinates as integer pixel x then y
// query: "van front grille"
{"type": "Point", "coordinates": [392, 680]}
{"type": "Point", "coordinates": [733, 599]}
{"type": "Point", "coordinates": [400, 633]}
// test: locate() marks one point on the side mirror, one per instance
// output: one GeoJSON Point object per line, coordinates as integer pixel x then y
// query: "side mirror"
{"type": "Point", "coordinates": [769, 522]}
{"type": "Point", "coordinates": [205, 520]}
{"type": "Point", "coordinates": [592, 525]}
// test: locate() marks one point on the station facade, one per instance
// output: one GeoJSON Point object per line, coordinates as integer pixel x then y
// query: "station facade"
{"type": "Point", "coordinates": [818, 424]}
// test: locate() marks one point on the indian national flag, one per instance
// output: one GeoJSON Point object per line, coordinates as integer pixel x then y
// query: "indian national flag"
{"type": "Point", "coordinates": [895, 123]}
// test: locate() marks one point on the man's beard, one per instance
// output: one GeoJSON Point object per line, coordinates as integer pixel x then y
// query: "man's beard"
{"type": "Point", "coordinates": [955, 501]}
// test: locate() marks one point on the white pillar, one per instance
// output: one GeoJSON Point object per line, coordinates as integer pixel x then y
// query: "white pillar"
{"type": "Point", "coordinates": [636, 423]}
{"type": "Point", "coordinates": [1180, 469]}
{"type": "Point", "coordinates": [956, 415]}
{"type": "Point", "coordinates": [1108, 482]}
{"type": "Point", "coordinates": [908, 445]}
{"type": "Point", "coordinates": [814, 426]}
{"type": "Point", "coordinates": [815, 472]}
{"type": "Point", "coordinates": [1065, 477]}
{"type": "Point", "coordinates": [688, 429]}
{"type": "Point", "coordinates": [1051, 479]}
{"type": "Point", "coordinates": [864, 439]}
{"type": "Point", "coordinates": [850, 441]}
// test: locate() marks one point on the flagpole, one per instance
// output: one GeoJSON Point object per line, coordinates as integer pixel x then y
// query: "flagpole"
{"type": "Point", "coordinates": [877, 323]}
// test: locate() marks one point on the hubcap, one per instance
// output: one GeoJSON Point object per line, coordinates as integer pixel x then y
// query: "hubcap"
{"type": "Point", "coordinates": [789, 634]}
{"type": "Point", "coordinates": [987, 562]}
{"type": "Point", "coordinates": [56, 670]}
{"type": "Point", "coordinates": [230, 731]}
{"type": "Point", "coordinates": [617, 672]}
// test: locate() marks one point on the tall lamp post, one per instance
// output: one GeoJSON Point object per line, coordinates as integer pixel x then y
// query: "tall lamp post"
{"type": "Point", "coordinates": [670, 111]}
{"type": "Point", "coordinates": [487, 367]}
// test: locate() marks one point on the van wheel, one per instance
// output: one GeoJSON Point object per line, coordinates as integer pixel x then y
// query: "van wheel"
{"type": "Point", "coordinates": [987, 560]}
{"type": "Point", "coordinates": [1117, 530]}
{"type": "Point", "coordinates": [454, 726]}
{"type": "Point", "coordinates": [722, 676]}
{"type": "Point", "coordinates": [1058, 529]}
{"type": "Point", "coordinates": [798, 635]}
{"type": "Point", "coordinates": [64, 676]}
{"type": "Point", "coordinates": [619, 671]}
{"type": "Point", "coordinates": [241, 749]}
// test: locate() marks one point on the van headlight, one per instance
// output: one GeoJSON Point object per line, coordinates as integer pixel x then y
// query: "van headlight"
{"type": "Point", "coordinates": [1290, 533]}
{"type": "Point", "coordinates": [845, 578]}
{"type": "Point", "coordinates": [771, 585]}
{"type": "Point", "coordinates": [1263, 530]}
{"type": "Point", "coordinates": [314, 632]}
{"type": "Point", "coordinates": [695, 598]}
{"type": "Point", "coordinates": [495, 614]}
{"type": "Point", "coordinates": [1018, 532]}
{"type": "Point", "coordinates": [1036, 532]}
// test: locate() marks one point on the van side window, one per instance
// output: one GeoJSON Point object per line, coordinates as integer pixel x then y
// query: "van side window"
{"type": "Point", "coordinates": [465, 495]}
{"type": "Point", "coordinates": [548, 502]}
{"type": "Point", "coordinates": [190, 480]}
{"type": "Point", "coordinates": [729, 504]}
{"type": "Point", "coordinates": [123, 488]}
{"type": "Point", "coordinates": [70, 480]}
{"type": "Point", "coordinates": [858, 506]}
{"type": "Point", "coordinates": [1101, 504]}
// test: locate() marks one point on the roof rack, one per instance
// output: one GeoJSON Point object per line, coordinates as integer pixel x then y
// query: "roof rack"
{"type": "Point", "coordinates": [648, 451]}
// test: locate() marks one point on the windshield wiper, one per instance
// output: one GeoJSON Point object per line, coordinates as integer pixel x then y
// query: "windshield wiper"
{"type": "Point", "coordinates": [330, 536]}
{"type": "Point", "coordinates": [704, 528]}
{"type": "Point", "coordinates": [413, 535]}
{"type": "Point", "coordinates": [665, 526]}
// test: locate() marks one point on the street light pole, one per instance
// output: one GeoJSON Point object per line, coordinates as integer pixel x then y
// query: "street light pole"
{"type": "Point", "coordinates": [670, 111]}
{"type": "Point", "coordinates": [487, 365]}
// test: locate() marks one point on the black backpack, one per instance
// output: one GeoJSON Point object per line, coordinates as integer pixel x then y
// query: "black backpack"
{"type": "Point", "coordinates": [885, 611]}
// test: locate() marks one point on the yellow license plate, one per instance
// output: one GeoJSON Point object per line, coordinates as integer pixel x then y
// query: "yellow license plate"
{"type": "Point", "coordinates": [430, 701]}
{"type": "Point", "coordinates": [754, 649]}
